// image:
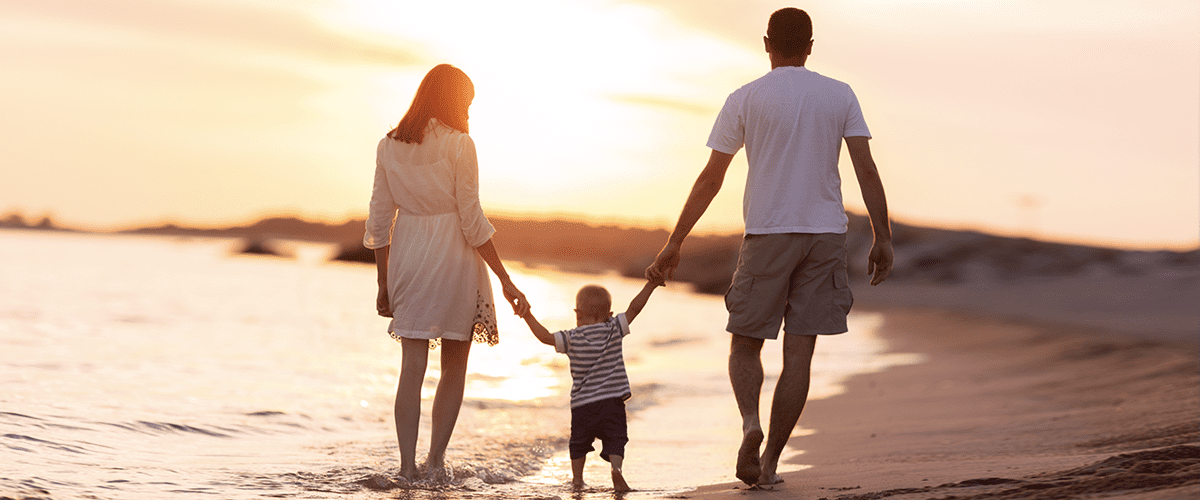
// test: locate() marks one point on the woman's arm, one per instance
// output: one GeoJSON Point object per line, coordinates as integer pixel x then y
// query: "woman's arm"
{"type": "Point", "coordinates": [475, 226]}
{"type": "Point", "coordinates": [381, 220]}
{"type": "Point", "coordinates": [383, 303]}
{"type": "Point", "coordinates": [511, 293]}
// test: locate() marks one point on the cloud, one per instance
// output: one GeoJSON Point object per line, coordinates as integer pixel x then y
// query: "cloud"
{"type": "Point", "coordinates": [705, 110]}
{"type": "Point", "coordinates": [243, 25]}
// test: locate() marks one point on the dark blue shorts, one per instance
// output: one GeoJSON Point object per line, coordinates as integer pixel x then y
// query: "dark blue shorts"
{"type": "Point", "coordinates": [603, 419]}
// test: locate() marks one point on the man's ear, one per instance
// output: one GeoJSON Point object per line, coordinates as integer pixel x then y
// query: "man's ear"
{"type": "Point", "coordinates": [767, 44]}
{"type": "Point", "coordinates": [808, 52]}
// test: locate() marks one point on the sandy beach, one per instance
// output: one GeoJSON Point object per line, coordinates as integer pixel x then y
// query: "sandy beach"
{"type": "Point", "coordinates": [1083, 387]}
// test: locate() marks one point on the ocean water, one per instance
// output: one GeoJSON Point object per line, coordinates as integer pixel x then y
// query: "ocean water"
{"type": "Point", "coordinates": [135, 367]}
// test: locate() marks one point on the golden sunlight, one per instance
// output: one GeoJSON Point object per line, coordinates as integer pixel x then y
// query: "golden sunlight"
{"type": "Point", "coordinates": [570, 95]}
{"type": "Point", "coordinates": [520, 368]}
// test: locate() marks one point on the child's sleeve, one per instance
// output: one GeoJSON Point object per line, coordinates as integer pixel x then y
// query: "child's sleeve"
{"type": "Point", "coordinates": [623, 324]}
{"type": "Point", "coordinates": [561, 339]}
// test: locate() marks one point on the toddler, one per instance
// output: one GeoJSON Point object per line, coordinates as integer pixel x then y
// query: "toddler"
{"type": "Point", "coordinates": [600, 385]}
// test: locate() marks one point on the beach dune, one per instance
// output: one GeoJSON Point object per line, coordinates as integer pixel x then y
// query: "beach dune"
{"type": "Point", "coordinates": [1073, 387]}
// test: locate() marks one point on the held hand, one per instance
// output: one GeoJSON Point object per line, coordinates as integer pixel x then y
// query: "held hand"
{"type": "Point", "coordinates": [515, 298]}
{"type": "Point", "coordinates": [879, 262]}
{"type": "Point", "coordinates": [664, 265]}
{"type": "Point", "coordinates": [382, 303]}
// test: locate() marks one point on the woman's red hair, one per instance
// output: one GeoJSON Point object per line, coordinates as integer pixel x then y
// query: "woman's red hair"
{"type": "Point", "coordinates": [445, 93]}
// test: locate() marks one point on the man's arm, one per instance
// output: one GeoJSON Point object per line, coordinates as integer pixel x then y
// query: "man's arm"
{"type": "Point", "coordinates": [638, 302]}
{"type": "Point", "coordinates": [538, 330]}
{"type": "Point", "coordinates": [703, 191]}
{"type": "Point", "coordinates": [879, 262]}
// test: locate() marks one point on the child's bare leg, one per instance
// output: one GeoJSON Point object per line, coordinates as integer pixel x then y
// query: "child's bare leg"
{"type": "Point", "coordinates": [577, 472]}
{"type": "Point", "coordinates": [618, 478]}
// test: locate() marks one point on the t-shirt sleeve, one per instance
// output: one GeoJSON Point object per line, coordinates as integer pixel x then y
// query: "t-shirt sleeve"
{"type": "Point", "coordinates": [856, 126]}
{"type": "Point", "coordinates": [560, 341]}
{"type": "Point", "coordinates": [623, 324]}
{"type": "Point", "coordinates": [729, 132]}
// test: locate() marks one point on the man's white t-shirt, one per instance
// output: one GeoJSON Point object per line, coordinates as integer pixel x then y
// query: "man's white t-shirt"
{"type": "Point", "coordinates": [792, 122]}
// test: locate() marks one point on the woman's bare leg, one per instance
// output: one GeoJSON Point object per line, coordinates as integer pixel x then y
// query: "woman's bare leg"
{"type": "Point", "coordinates": [449, 398]}
{"type": "Point", "coordinates": [408, 402]}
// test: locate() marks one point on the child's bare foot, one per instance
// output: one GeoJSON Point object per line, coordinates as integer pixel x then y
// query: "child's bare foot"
{"type": "Point", "coordinates": [619, 483]}
{"type": "Point", "coordinates": [748, 468]}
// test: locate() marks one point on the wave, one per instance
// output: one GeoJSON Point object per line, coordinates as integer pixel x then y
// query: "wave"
{"type": "Point", "coordinates": [493, 464]}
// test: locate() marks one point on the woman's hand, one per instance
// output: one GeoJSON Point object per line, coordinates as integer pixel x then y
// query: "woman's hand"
{"type": "Point", "coordinates": [382, 303]}
{"type": "Point", "coordinates": [515, 298]}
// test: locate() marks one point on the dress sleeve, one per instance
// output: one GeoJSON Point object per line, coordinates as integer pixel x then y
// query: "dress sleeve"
{"type": "Point", "coordinates": [382, 216]}
{"type": "Point", "coordinates": [475, 226]}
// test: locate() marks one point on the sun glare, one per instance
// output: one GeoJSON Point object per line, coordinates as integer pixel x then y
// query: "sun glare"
{"type": "Point", "coordinates": [568, 94]}
{"type": "Point", "coordinates": [520, 368]}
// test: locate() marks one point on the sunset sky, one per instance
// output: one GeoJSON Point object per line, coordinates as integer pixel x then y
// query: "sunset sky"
{"type": "Point", "coordinates": [1066, 120]}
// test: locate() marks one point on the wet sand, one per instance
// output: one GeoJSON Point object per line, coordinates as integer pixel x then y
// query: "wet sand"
{"type": "Point", "coordinates": [1078, 388]}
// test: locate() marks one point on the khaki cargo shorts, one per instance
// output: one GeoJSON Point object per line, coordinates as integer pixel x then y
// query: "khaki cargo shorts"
{"type": "Point", "coordinates": [798, 279]}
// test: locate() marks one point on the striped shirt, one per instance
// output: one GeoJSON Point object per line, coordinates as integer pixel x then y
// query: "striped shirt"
{"type": "Point", "coordinates": [597, 366]}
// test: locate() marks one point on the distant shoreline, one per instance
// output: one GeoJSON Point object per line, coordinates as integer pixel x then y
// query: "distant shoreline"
{"type": "Point", "coordinates": [924, 255]}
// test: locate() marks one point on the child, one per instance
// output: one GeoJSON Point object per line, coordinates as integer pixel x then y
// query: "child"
{"type": "Point", "coordinates": [600, 385]}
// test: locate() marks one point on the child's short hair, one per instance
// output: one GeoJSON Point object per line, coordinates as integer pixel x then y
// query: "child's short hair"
{"type": "Point", "coordinates": [593, 300]}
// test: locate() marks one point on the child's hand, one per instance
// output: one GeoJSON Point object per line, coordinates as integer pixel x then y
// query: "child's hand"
{"type": "Point", "coordinates": [658, 281]}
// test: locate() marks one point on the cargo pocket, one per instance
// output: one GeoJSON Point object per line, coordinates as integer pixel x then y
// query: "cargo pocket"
{"type": "Point", "coordinates": [843, 298]}
{"type": "Point", "coordinates": [739, 292]}
{"type": "Point", "coordinates": [840, 300]}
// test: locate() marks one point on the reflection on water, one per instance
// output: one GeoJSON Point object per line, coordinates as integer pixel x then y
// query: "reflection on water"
{"type": "Point", "coordinates": [140, 367]}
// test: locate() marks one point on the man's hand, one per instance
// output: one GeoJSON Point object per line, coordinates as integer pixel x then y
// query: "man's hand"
{"type": "Point", "coordinates": [664, 265]}
{"type": "Point", "coordinates": [879, 262]}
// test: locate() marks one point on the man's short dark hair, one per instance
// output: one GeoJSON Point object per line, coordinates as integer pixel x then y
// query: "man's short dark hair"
{"type": "Point", "coordinates": [790, 30]}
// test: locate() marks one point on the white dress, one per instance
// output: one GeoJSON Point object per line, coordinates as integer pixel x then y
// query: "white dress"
{"type": "Point", "coordinates": [425, 204]}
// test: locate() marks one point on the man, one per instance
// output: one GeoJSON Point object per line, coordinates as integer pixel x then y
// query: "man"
{"type": "Point", "coordinates": [792, 263]}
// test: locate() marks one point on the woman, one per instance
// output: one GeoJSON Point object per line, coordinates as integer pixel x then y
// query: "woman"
{"type": "Point", "coordinates": [432, 279]}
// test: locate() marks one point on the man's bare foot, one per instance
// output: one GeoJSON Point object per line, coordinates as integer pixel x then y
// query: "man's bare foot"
{"type": "Point", "coordinates": [619, 484]}
{"type": "Point", "coordinates": [767, 476]}
{"type": "Point", "coordinates": [748, 468]}
{"type": "Point", "coordinates": [578, 484]}
{"type": "Point", "coordinates": [769, 479]}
